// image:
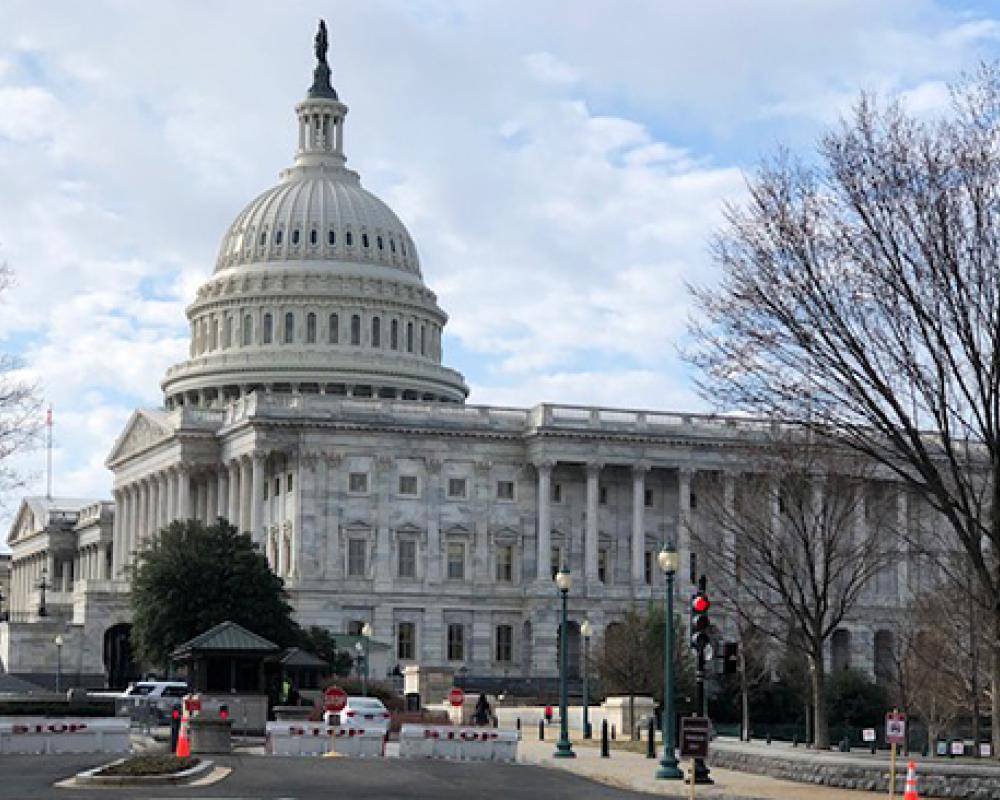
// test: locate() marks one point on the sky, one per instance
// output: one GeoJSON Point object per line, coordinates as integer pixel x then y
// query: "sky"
{"type": "Point", "coordinates": [560, 165]}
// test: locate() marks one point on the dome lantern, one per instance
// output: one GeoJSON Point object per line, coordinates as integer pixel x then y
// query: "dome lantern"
{"type": "Point", "coordinates": [321, 116]}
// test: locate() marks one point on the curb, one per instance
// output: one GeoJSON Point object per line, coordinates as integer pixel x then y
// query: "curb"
{"type": "Point", "coordinates": [91, 778]}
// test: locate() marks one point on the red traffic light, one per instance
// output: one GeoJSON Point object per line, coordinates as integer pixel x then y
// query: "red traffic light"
{"type": "Point", "coordinates": [176, 714]}
{"type": "Point", "coordinates": [700, 604]}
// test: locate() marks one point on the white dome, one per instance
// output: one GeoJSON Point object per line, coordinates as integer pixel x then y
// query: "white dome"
{"type": "Point", "coordinates": [318, 213]}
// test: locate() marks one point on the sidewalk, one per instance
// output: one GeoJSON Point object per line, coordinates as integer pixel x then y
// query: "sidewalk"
{"type": "Point", "coordinates": [636, 772]}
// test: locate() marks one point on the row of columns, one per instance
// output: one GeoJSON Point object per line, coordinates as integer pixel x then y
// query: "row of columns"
{"type": "Point", "coordinates": [26, 575]}
{"type": "Point", "coordinates": [638, 533]}
{"type": "Point", "coordinates": [187, 491]}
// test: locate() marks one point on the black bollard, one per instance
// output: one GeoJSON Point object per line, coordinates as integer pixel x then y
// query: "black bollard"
{"type": "Point", "coordinates": [873, 748]}
{"type": "Point", "coordinates": [605, 744]}
{"type": "Point", "coordinates": [175, 728]}
{"type": "Point", "coordinates": [651, 740]}
{"type": "Point", "coordinates": [769, 737]}
{"type": "Point", "coordinates": [795, 740]}
{"type": "Point", "coordinates": [613, 732]}
{"type": "Point", "coordinates": [541, 730]}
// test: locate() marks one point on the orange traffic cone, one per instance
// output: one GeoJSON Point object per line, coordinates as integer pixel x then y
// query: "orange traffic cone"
{"type": "Point", "coordinates": [183, 742]}
{"type": "Point", "coordinates": [911, 782]}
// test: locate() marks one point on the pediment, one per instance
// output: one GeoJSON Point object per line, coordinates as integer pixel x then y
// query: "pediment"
{"type": "Point", "coordinates": [409, 528]}
{"type": "Point", "coordinates": [142, 431]}
{"type": "Point", "coordinates": [358, 525]}
{"type": "Point", "coordinates": [506, 535]}
{"type": "Point", "coordinates": [24, 524]}
{"type": "Point", "coordinates": [458, 530]}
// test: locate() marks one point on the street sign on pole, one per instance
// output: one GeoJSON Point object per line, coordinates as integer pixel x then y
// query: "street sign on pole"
{"type": "Point", "coordinates": [895, 727]}
{"type": "Point", "coordinates": [334, 699]}
{"type": "Point", "coordinates": [694, 737]}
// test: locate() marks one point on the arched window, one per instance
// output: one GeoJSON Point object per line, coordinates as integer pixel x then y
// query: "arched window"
{"type": "Point", "coordinates": [409, 337]}
{"type": "Point", "coordinates": [227, 332]}
{"type": "Point", "coordinates": [289, 327]}
{"type": "Point", "coordinates": [277, 237]}
{"type": "Point", "coordinates": [364, 240]}
{"type": "Point", "coordinates": [378, 241]}
{"type": "Point", "coordinates": [295, 236]}
{"type": "Point", "coordinates": [263, 237]}
{"type": "Point", "coordinates": [392, 245]}
{"type": "Point", "coordinates": [394, 334]}
{"type": "Point", "coordinates": [376, 332]}
{"type": "Point", "coordinates": [313, 238]}
{"type": "Point", "coordinates": [348, 238]}
{"type": "Point", "coordinates": [402, 245]}
{"type": "Point", "coordinates": [334, 329]}
{"type": "Point", "coordinates": [311, 328]}
{"type": "Point", "coordinates": [423, 340]}
{"type": "Point", "coordinates": [247, 330]}
{"type": "Point", "coordinates": [268, 329]}
{"type": "Point", "coordinates": [331, 237]}
{"type": "Point", "coordinates": [355, 329]}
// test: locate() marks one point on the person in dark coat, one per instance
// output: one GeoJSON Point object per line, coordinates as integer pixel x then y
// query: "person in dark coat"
{"type": "Point", "coordinates": [482, 715]}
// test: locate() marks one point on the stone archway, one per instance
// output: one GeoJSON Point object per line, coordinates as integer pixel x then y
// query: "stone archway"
{"type": "Point", "coordinates": [119, 666]}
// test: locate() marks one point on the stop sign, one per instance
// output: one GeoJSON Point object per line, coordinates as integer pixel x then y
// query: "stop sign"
{"type": "Point", "coordinates": [456, 697]}
{"type": "Point", "coordinates": [334, 699]}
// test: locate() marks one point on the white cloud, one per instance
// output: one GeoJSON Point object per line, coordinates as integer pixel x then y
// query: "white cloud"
{"type": "Point", "coordinates": [28, 113]}
{"type": "Point", "coordinates": [546, 68]}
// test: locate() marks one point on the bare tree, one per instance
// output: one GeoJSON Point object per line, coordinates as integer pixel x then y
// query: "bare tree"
{"type": "Point", "coordinates": [860, 298]}
{"type": "Point", "coordinates": [794, 549]}
{"type": "Point", "coordinates": [20, 413]}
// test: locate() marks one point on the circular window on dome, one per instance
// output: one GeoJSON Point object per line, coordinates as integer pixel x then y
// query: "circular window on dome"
{"type": "Point", "coordinates": [364, 240]}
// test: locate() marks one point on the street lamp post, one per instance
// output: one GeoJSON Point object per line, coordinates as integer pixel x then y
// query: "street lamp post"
{"type": "Point", "coordinates": [668, 763]}
{"type": "Point", "coordinates": [564, 749]}
{"type": "Point", "coordinates": [366, 631]}
{"type": "Point", "coordinates": [59, 645]}
{"type": "Point", "coordinates": [586, 629]}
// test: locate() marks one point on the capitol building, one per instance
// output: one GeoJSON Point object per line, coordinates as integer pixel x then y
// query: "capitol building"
{"type": "Point", "coordinates": [316, 412]}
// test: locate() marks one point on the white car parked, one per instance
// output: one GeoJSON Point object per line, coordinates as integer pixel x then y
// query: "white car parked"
{"type": "Point", "coordinates": [153, 699]}
{"type": "Point", "coordinates": [365, 712]}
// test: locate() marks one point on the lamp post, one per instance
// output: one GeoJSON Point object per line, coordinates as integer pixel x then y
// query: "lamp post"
{"type": "Point", "coordinates": [564, 749]}
{"type": "Point", "coordinates": [668, 763]}
{"type": "Point", "coordinates": [366, 631]}
{"type": "Point", "coordinates": [586, 629]}
{"type": "Point", "coordinates": [59, 645]}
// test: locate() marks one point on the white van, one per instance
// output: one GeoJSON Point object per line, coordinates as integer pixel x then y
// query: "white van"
{"type": "Point", "coordinates": [153, 699]}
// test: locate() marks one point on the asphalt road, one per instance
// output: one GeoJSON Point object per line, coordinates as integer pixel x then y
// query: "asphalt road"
{"type": "Point", "coordinates": [274, 778]}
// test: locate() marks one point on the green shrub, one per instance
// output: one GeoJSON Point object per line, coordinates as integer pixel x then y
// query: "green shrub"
{"type": "Point", "coordinates": [854, 702]}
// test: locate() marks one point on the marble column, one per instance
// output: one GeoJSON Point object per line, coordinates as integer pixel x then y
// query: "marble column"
{"type": "Point", "coordinates": [246, 495]}
{"type": "Point", "coordinates": [184, 493]}
{"type": "Point", "coordinates": [142, 517]}
{"type": "Point", "coordinates": [257, 499]}
{"type": "Point", "coordinates": [116, 534]}
{"type": "Point", "coordinates": [639, 523]}
{"type": "Point", "coordinates": [729, 515]}
{"type": "Point", "coordinates": [684, 529]}
{"type": "Point", "coordinates": [233, 511]}
{"type": "Point", "coordinates": [544, 571]}
{"type": "Point", "coordinates": [171, 493]}
{"type": "Point", "coordinates": [222, 500]}
{"type": "Point", "coordinates": [902, 533]}
{"type": "Point", "coordinates": [163, 513]}
{"type": "Point", "coordinates": [590, 533]}
{"type": "Point", "coordinates": [152, 503]}
{"type": "Point", "coordinates": [212, 497]}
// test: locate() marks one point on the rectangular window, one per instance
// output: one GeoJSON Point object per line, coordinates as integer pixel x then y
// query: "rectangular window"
{"type": "Point", "coordinates": [505, 563]}
{"type": "Point", "coordinates": [505, 490]}
{"type": "Point", "coordinates": [602, 496]}
{"type": "Point", "coordinates": [649, 498]}
{"type": "Point", "coordinates": [267, 486]}
{"type": "Point", "coordinates": [277, 486]}
{"type": "Point", "coordinates": [647, 566]}
{"type": "Point", "coordinates": [556, 492]}
{"type": "Point", "coordinates": [456, 642]}
{"type": "Point", "coordinates": [694, 500]}
{"type": "Point", "coordinates": [456, 561]}
{"type": "Point", "coordinates": [357, 483]}
{"type": "Point", "coordinates": [602, 566]}
{"type": "Point", "coordinates": [456, 488]}
{"type": "Point", "coordinates": [406, 641]}
{"type": "Point", "coordinates": [408, 485]}
{"type": "Point", "coordinates": [505, 643]}
{"type": "Point", "coordinates": [356, 558]}
{"type": "Point", "coordinates": [407, 558]}
{"type": "Point", "coordinates": [556, 561]}
{"type": "Point", "coordinates": [288, 483]}
{"type": "Point", "coordinates": [355, 626]}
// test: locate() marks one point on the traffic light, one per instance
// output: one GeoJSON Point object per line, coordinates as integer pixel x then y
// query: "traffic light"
{"type": "Point", "coordinates": [699, 616]}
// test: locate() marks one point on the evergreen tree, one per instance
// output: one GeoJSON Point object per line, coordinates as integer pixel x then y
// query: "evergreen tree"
{"type": "Point", "coordinates": [192, 577]}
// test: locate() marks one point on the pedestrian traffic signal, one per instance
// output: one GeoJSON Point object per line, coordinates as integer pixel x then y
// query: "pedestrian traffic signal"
{"type": "Point", "coordinates": [699, 616]}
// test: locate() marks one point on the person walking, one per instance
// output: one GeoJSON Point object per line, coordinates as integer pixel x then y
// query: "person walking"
{"type": "Point", "coordinates": [483, 715]}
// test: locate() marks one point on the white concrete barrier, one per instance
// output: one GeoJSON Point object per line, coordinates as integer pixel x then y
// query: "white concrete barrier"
{"type": "Point", "coordinates": [43, 735]}
{"type": "Point", "coordinates": [463, 744]}
{"type": "Point", "coordinates": [316, 739]}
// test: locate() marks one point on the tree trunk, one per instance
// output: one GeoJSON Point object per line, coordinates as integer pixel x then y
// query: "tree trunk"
{"type": "Point", "coordinates": [744, 699]}
{"type": "Point", "coordinates": [995, 687]}
{"type": "Point", "coordinates": [821, 727]}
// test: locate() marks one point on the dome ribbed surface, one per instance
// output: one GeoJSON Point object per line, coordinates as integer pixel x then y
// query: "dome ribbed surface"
{"type": "Point", "coordinates": [318, 216]}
